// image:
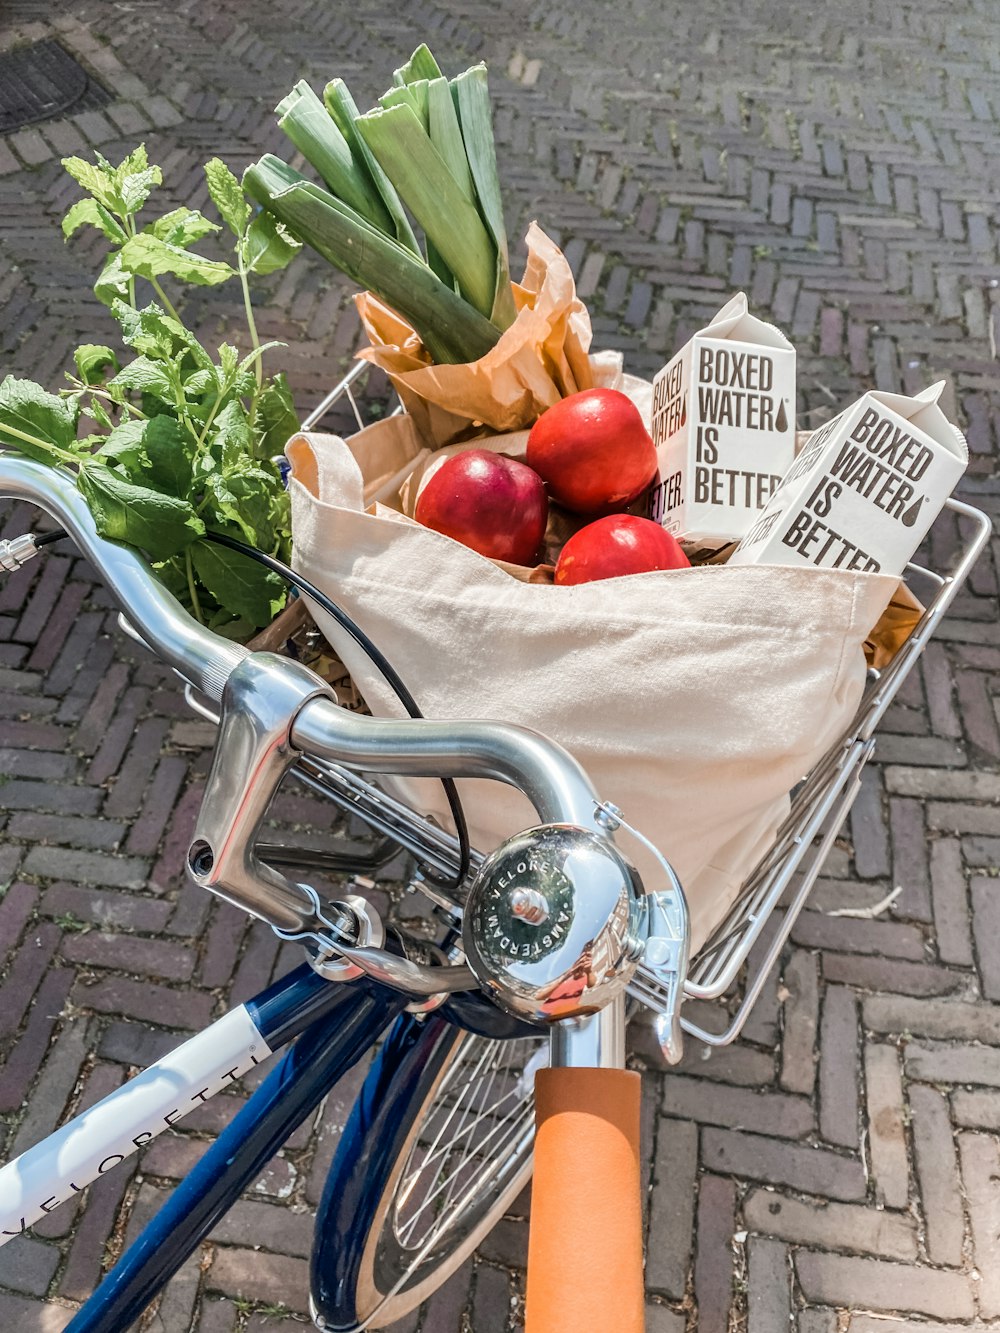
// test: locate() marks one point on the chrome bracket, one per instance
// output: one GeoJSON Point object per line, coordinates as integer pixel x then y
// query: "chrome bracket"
{"type": "Point", "coordinates": [658, 981]}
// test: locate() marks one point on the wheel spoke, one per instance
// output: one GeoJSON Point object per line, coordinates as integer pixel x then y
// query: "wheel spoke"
{"type": "Point", "coordinates": [510, 1114]}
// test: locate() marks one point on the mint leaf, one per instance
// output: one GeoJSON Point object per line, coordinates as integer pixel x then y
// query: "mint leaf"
{"type": "Point", "coordinates": [100, 181]}
{"type": "Point", "coordinates": [137, 160]}
{"type": "Point", "coordinates": [276, 418]}
{"type": "Point", "coordinates": [232, 439]}
{"type": "Point", "coordinates": [112, 283]}
{"type": "Point", "coordinates": [148, 257]}
{"type": "Point", "coordinates": [229, 360]}
{"type": "Point", "coordinates": [169, 448]}
{"type": "Point", "coordinates": [124, 447]}
{"type": "Point", "coordinates": [202, 382]}
{"type": "Point", "coordinates": [27, 408]}
{"type": "Point", "coordinates": [145, 376]}
{"type": "Point", "coordinates": [227, 507]}
{"type": "Point", "coordinates": [135, 179]}
{"type": "Point", "coordinates": [182, 227]}
{"type": "Point", "coordinates": [154, 333]}
{"type": "Point", "coordinates": [88, 212]}
{"type": "Point", "coordinates": [158, 524]}
{"type": "Point", "coordinates": [227, 195]}
{"type": "Point", "coordinates": [91, 360]}
{"type": "Point", "coordinates": [269, 246]}
{"type": "Point", "coordinates": [96, 412]}
{"type": "Point", "coordinates": [251, 489]}
{"type": "Point", "coordinates": [238, 584]}
{"type": "Point", "coordinates": [173, 574]}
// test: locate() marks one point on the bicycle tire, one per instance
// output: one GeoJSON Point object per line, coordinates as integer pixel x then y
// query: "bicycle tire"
{"type": "Point", "coordinates": [404, 1203]}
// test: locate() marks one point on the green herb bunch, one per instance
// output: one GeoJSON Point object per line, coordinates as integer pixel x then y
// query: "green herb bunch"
{"type": "Point", "coordinates": [174, 442]}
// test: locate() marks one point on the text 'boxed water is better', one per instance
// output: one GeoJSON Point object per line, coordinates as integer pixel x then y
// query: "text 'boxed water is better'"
{"type": "Point", "coordinates": [864, 490]}
{"type": "Point", "coordinates": [723, 426]}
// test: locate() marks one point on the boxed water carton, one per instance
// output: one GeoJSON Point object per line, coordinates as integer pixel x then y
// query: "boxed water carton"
{"type": "Point", "coordinates": [724, 427]}
{"type": "Point", "coordinates": [864, 490]}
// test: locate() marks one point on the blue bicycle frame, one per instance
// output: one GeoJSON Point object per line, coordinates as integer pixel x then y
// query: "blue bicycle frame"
{"type": "Point", "coordinates": [335, 1025]}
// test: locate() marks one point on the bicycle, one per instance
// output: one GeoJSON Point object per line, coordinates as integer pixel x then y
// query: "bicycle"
{"type": "Point", "coordinates": [440, 1138]}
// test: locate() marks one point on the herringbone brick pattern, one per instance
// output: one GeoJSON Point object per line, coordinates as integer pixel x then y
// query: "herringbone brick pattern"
{"type": "Point", "coordinates": [839, 1168]}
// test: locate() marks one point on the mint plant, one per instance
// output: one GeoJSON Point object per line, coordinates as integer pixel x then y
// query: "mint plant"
{"type": "Point", "coordinates": [165, 440]}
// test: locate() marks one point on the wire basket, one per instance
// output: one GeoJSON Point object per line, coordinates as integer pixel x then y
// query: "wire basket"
{"type": "Point", "coordinates": [787, 871]}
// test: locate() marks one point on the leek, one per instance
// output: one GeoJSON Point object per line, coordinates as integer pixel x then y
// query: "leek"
{"type": "Point", "coordinates": [421, 65]}
{"type": "Point", "coordinates": [425, 156]}
{"type": "Point", "coordinates": [450, 221]}
{"type": "Point", "coordinates": [343, 109]}
{"type": "Point", "coordinates": [472, 97]}
{"type": "Point", "coordinates": [446, 135]}
{"type": "Point", "coordinates": [312, 130]}
{"type": "Point", "coordinates": [451, 330]}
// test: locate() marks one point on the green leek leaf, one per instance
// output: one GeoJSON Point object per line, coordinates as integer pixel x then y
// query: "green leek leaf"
{"type": "Point", "coordinates": [450, 328]}
{"type": "Point", "coordinates": [343, 109]}
{"type": "Point", "coordinates": [421, 65]}
{"type": "Point", "coordinates": [313, 131]}
{"type": "Point", "coordinates": [472, 97]}
{"type": "Point", "coordinates": [451, 223]}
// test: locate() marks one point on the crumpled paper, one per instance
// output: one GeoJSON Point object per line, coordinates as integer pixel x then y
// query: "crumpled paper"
{"type": "Point", "coordinates": [541, 358]}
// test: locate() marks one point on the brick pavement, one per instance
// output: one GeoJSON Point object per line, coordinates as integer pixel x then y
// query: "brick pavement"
{"type": "Point", "coordinates": [837, 1169]}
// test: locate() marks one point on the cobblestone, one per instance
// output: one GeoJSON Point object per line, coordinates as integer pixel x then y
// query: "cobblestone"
{"type": "Point", "coordinates": [836, 164]}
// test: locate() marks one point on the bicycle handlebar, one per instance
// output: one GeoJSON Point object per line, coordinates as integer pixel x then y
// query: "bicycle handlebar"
{"type": "Point", "coordinates": [553, 781]}
{"type": "Point", "coordinates": [202, 657]}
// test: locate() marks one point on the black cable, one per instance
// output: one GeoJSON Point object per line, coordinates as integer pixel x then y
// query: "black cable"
{"type": "Point", "coordinates": [46, 538]}
{"type": "Point", "coordinates": [377, 657]}
{"type": "Point", "coordinates": [379, 660]}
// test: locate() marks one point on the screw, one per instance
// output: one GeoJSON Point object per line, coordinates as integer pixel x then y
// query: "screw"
{"type": "Point", "coordinates": [608, 816]}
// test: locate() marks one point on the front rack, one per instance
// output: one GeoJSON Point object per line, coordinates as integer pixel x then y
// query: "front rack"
{"type": "Point", "coordinates": [792, 863]}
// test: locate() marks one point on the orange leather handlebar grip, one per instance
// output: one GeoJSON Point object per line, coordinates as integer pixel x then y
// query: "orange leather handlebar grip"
{"type": "Point", "coordinates": [585, 1239]}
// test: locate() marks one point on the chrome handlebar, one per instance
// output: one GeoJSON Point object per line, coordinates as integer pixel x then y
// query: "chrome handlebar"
{"type": "Point", "coordinates": [273, 712]}
{"type": "Point", "coordinates": [203, 658]}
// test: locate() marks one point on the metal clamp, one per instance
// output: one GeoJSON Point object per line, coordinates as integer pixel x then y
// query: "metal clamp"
{"type": "Point", "coordinates": [658, 981]}
{"type": "Point", "coordinates": [17, 552]}
{"type": "Point", "coordinates": [263, 696]}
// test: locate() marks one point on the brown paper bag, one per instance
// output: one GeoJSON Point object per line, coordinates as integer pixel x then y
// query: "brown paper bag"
{"type": "Point", "coordinates": [694, 698]}
{"type": "Point", "coordinates": [541, 358]}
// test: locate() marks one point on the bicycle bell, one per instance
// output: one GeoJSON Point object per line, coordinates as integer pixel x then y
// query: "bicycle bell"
{"type": "Point", "coordinates": [553, 925]}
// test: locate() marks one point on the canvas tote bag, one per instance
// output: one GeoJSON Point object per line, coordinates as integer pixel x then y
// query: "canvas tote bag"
{"type": "Point", "coordinates": [695, 698]}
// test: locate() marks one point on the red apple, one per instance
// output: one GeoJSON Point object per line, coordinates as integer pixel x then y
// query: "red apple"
{"type": "Point", "coordinates": [616, 545]}
{"type": "Point", "coordinates": [491, 503]}
{"type": "Point", "coordinates": [592, 451]}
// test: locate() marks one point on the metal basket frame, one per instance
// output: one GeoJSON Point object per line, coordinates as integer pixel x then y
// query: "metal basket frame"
{"type": "Point", "coordinates": [819, 806]}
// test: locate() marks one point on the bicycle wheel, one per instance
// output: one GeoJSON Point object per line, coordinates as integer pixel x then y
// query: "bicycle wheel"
{"type": "Point", "coordinates": [436, 1148]}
